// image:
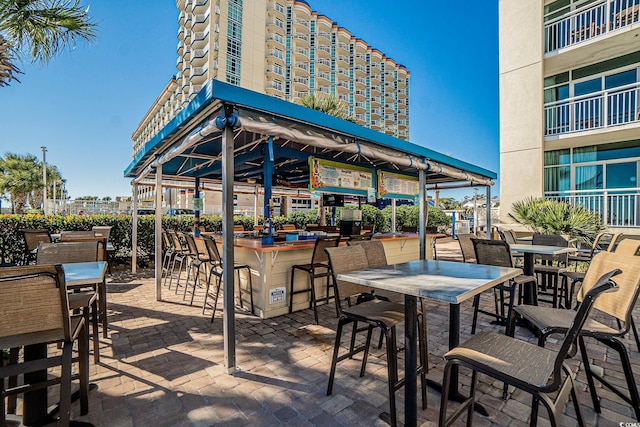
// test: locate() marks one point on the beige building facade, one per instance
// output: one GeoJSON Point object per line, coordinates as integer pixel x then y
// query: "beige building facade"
{"type": "Point", "coordinates": [285, 49]}
{"type": "Point", "coordinates": [570, 105]}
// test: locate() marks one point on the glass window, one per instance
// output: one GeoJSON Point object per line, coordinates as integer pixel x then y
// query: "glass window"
{"type": "Point", "coordinates": [617, 150]}
{"type": "Point", "coordinates": [620, 79]}
{"type": "Point", "coordinates": [556, 94]}
{"type": "Point", "coordinates": [590, 86]}
{"type": "Point", "coordinates": [557, 179]}
{"type": "Point", "coordinates": [556, 157]}
{"type": "Point", "coordinates": [589, 177]}
{"type": "Point", "coordinates": [622, 175]}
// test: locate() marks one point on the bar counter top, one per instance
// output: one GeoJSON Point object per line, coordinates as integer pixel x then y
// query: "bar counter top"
{"type": "Point", "coordinates": [257, 245]}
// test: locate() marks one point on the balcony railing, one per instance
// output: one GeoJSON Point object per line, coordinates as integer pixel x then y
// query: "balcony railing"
{"type": "Point", "coordinates": [612, 107]}
{"type": "Point", "coordinates": [588, 22]}
{"type": "Point", "coordinates": [616, 207]}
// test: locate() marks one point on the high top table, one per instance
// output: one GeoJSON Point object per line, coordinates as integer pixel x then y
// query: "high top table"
{"type": "Point", "coordinates": [530, 294]}
{"type": "Point", "coordinates": [35, 402]}
{"type": "Point", "coordinates": [445, 281]}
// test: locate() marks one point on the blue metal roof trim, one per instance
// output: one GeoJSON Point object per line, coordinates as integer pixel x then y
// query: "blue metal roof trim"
{"type": "Point", "coordinates": [218, 90]}
{"type": "Point", "coordinates": [254, 100]}
{"type": "Point", "coordinates": [201, 100]}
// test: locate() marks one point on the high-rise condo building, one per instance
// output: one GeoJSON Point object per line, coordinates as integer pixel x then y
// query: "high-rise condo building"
{"type": "Point", "coordinates": [284, 49]}
{"type": "Point", "coordinates": [569, 105]}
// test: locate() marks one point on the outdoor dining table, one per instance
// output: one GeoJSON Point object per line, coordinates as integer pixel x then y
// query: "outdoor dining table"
{"type": "Point", "coordinates": [530, 294]}
{"type": "Point", "coordinates": [35, 402]}
{"type": "Point", "coordinates": [445, 281]}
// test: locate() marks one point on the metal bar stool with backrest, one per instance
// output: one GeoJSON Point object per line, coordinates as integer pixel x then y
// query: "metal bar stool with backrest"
{"type": "Point", "coordinates": [466, 247]}
{"type": "Point", "coordinates": [618, 306]}
{"type": "Point", "coordinates": [510, 237]}
{"type": "Point", "coordinates": [532, 369]}
{"type": "Point", "coordinates": [92, 299]}
{"type": "Point", "coordinates": [180, 254]}
{"type": "Point", "coordinates": [215, 269]}
{"type": "Point", "coordinates": [317, 268]}
{"type": "Point", "coordinates": [377, 257]}
{"type": "Point", "coordinates": [549, 271]}
{"type": "Point", "coordinates": [32, 238]}
{"type": "Point", "coordinates": [497, 252]}
{"type": "Point", "coordinates": [606, 241]}
{"type": "Point", "coordinates": [196, 260]}
{"type": "Point", "coordinates": [375, 313]}
{"type": "Point", "coordinates": [35, 312]}
{"type": "Point", "coordinates": [105, 231]}
{"type": "Point", "coordinates": [167, 257]}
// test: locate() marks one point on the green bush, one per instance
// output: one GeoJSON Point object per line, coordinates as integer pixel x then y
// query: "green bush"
{"type": "Point", "coordinates": [553, 217]}
{"type": "Point", "coordinates": [12, 248]}
{"type": "Point", "coordinates": [407, 215]}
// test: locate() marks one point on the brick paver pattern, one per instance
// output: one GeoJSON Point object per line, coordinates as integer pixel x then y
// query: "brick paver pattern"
{"type": "Point", "coordinates": [163, 365]}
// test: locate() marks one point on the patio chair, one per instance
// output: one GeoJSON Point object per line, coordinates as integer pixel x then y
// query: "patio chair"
{"type": "Point", "coordinates": [606, 240]}
{"type": "Point", "coordinates": [195, 260]}
{"type": "Point", "coordinates": [535, 370]}
{"type": "Point", "coordinates": [628, 247]}
{"type": "Point", "coordinates": [618, 306]}
{"type": "Point", "coordinates": [180, 251]}
{"type": "Point", "coordinates": [32, 238]}
{"type": "Point", "coordinates": [497, 252]}
{"type": "Point", "coordinates": [168, 254]}
{"type": "Point", "coordinates": [317, 268]}
{"type": "Point", "coordinates": [550, 269]}
{"type": "Point", "coordinates": [466, 246]}
{"type": "Point", "coordinates": [375, 313]}
{"type": "Point", "coordinates": [510, 237]}
{"type": "Point", "coordinates": [87, 298]}
{"type": "Point", "coordinates": [215, 269]}
{"type": "Point", "coordinates": [35, 312]}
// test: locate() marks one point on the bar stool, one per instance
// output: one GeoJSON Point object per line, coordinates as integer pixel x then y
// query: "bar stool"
{"type": "Point", "coordinates": [195, 259]}
{"type": "Point", "coordinates": [180, 254]}
{"type": "Point", "coordinates": [215, 269]}
{"type": "Point", "coordinates": [167, 245]}
{"type": "Point", "coordinates": [319, 261]}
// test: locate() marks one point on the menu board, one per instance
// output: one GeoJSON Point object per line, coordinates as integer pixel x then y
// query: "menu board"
{"type": "Point", "coordinates": [329, 176]}
{"type": "Point", "coordinates": [395, 186]}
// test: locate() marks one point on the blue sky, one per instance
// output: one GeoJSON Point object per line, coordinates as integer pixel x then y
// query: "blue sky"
{"type": "Point", "coordinates": [85, 104]}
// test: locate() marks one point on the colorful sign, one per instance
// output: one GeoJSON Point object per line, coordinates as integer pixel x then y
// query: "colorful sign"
{"type": "Point", "coordinates": [333, 177]}
{"type": "Point", "coordinates": [395, 186]}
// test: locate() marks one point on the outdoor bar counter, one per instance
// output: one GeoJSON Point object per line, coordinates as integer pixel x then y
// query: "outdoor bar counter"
{"type": "Point", "coordinates": [271, 268]}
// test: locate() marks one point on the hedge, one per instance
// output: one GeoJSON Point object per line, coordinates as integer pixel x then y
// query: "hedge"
{"type": "Point", "coordinates": [12, 247]}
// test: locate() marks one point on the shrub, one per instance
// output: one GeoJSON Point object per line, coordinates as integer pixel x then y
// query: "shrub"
{"type": "Point", "coordinates": [553, 217]}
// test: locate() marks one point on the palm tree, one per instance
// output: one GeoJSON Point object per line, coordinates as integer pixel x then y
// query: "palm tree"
{"type": "Point", "coordinates": [20, 174]}
{"type": "Point", "coordinates": [39, 29]}
{"type": "Point", "coordinates": [326, 103]}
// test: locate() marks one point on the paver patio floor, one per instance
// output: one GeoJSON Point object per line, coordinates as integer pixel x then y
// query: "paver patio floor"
{"type": "Point", "coordinates": [163, 365]}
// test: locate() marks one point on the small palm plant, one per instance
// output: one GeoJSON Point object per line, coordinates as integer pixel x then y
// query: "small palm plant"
{"type": "Point", "coordinates": [553, 217]}
{"type": "Point", "coordinates": [326, 103]}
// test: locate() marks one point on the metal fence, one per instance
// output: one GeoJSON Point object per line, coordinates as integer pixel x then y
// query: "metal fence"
{"type": "Point", "coordinates": [617, 208]}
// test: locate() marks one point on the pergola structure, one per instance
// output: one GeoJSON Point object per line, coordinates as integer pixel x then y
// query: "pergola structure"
{"type": "Point", "coordinates": [232, 136]}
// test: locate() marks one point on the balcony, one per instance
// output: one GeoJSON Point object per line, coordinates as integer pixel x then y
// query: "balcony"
{"type": "Point", "coordinates": [301, 51]}
{"type": "Point", "coordinates": [589, 22]}
{"type": "Point", "coordinates": [606, 109]}
{"type": "Point", "coordinates": [324, 51]}
{"type": "Point", "coordinates": [277, 24]}
{"type": "Point", "coordinates": [324, 63]}
{"type": "Point", "coordinates": [301, 83]}
{"type": "Point", "coordinates": [201, 21]}
{"type": "Point", "coordinates": [616, 207]}
{"type": "Point", "coordinates": [199, 56]}
{"type": "Point", "coordinates": [301, 23]}
{"type": "Point", "coordinates": [276, 9]}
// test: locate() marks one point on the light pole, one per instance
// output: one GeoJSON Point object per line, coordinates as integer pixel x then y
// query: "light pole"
{"type": "Point", "coordinates": [44, 179]}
